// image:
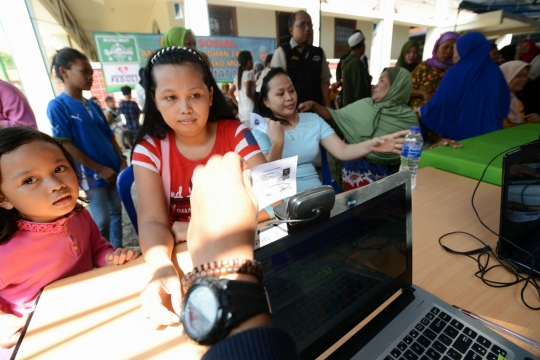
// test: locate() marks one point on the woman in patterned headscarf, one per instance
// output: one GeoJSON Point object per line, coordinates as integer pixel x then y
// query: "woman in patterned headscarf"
{"type": "Point", "coordinates": [427, 76]}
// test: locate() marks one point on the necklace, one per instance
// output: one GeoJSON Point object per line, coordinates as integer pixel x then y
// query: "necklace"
{"type": "Point", "coordinates": [291, 132]}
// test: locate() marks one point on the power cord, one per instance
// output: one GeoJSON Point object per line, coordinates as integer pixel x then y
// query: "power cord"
{"type": "Point", "coordinates": [487, 251]}
{"type": "Point", "coordinates": [277, 222]}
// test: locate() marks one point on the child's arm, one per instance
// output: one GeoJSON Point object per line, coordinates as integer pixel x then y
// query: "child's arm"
{"type": "Point", "coordinates": [121, 256]}
{"type": "Point", "coordinates": [10, 329]}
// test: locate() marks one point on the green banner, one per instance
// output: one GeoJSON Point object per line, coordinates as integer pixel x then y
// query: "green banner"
{"type": "Point", "coordinates": [123, 54]}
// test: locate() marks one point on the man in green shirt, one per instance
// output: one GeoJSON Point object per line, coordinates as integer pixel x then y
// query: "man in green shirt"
{"type": "Point", "coordinates": [354, 73]}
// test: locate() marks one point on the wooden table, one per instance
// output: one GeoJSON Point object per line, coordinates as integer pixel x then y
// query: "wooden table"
{"type": "Point", "coordinates": [95, 315]}
{"type": "Point", "coordinates": [472, 158]}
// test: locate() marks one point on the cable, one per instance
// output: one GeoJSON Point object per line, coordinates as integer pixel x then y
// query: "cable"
{"type": "Point", "coordinates": [483, 269]}
{"type": "Point", "coordinates": [277, 222]}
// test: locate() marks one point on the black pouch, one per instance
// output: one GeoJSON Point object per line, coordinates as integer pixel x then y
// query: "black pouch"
{"type": "Point", "coordinates": [315, 204]}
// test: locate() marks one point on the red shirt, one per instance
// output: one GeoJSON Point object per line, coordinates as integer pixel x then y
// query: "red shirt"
{"type": "Point", "coordinates": [232, 135]}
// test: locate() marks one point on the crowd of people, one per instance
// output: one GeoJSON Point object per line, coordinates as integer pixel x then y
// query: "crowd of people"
{"type": "Point", "coordinates": [464, 89]}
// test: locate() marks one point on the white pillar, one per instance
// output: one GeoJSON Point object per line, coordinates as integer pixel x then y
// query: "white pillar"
{"type": "Point", "coordinates": [432, 35]}
{"type": "Point", "coordinates": [382, 40]}
{"type": "Point", "coordinates": [23, 42]}
{"type": "Point", "coordinates": [196, 15]}
{"type": "Point", "coordinates": [314, 10]}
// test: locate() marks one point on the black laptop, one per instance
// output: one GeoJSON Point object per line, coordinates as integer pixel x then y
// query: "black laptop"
{"type": "Point", "coordinates": [325, 280]}
{"type": "Point", "coordinates": [520, 208]}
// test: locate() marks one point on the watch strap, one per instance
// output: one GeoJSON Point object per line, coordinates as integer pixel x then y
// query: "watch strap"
{"type": "Point", "coordinates": [244, 300]}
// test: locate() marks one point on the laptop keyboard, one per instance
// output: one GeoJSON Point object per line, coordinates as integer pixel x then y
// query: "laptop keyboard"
{"type": "Point", "coordinates": [439, 336]}
{"type": "Point", "coordinates": [320, 305]}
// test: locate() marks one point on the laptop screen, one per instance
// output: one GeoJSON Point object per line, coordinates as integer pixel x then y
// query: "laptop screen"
{"type": "Point", "coordinates": [520, 205]}
{"type": "Point", "coordinates": [324, 280]}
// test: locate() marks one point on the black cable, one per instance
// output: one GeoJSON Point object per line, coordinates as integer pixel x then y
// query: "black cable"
{"type": "Point", "coordinates": [485, 252]}
{"type": "Point", "coordinates": [277, 222]}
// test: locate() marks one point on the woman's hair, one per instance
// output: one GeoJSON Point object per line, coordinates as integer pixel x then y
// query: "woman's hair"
{"type": "Point", "coordinates": [243, 59]}
{"type": "Point", "coordinates": [260, 108]}
{"type": "Point", "coordinates": [153, 123]}
{"type": "Point", "coordinates": [10, 140]}
{"type": "Point", "coordinates": [64, 58]}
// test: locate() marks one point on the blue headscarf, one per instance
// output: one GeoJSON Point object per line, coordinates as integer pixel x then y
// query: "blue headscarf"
{"type": "Point", "coordinates": [473, 97]}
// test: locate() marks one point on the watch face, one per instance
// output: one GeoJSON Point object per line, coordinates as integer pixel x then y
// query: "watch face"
{"type": "Point", "coordinates": [200, 310]}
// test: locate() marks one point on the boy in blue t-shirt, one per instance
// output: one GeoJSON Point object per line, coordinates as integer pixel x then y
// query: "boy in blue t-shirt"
{"type": "Point", "coordinates": [131, 112]}
{"type": "Point", "coordinates": [81, 127]}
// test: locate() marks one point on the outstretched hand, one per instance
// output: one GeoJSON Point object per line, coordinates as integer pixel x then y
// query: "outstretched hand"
{"type": "Point", "coordinates": [389, 143]}
{"type": "Point", "coordinates": [121, 255]}
{"type": "Point", "coordinates": [10, 329]}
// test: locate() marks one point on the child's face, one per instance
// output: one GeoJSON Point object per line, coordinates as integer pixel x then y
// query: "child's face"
{"type": "Point", "coordinates": [38, 181]}
{"type": "Point", "coordinates": [79, 75]}
{"type": "Point", "coordinates": [182, 98]}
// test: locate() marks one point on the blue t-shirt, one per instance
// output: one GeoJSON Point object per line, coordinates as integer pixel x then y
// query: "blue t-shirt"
{"type": "Point", "coordinates": [304, 142]}
{"type": "Point", "coordinates": [88, 130]}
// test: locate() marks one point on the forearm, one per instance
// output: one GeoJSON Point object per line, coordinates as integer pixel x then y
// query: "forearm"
{"type": "Point", "coordinates": [354, 151]}
{"type": "Point", "coordinates": [417, 93]}
{"type": "Point", "coordinates": [157, 243]}
{"type": "Point", "coordinates": [117, 149]}
{"type": "Point", "coordinates": [275, 153]}
{"type": "Point", "coordinates": [325, 85]}
{"type": "Point", "coordinates": [81, 157]}
{"type": "Point", "coordinates": [322, 111]}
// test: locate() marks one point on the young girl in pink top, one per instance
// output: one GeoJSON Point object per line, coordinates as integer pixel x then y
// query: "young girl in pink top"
{"type": "Point", "coordinates": [45, 235]}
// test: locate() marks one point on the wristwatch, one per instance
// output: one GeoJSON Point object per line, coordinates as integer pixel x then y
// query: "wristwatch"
{"type": "Point", "coordinates": [212, 307]}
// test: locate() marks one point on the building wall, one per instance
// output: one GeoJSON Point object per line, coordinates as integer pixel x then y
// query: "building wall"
{"type": "Point", "coordinates": [367, 29]}
{"type": "Point", "coordinates": [328, 34]}
{"type": "Point", "coordinates": [256, 22]}
{"type": "Point", "coordinates": [400, 36]}
{"type": "Point", "coordinates": [163, 14]}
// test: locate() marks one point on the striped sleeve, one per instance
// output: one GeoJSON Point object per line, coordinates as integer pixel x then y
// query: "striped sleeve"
{"type": "Point", "coordinates": [245, 143]}
{"type": "Point", "coordinates": [147, 154]}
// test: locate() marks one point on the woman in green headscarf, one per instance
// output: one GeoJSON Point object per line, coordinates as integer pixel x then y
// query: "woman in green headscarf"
{"type": "Point", "coordinates": [410, 56]}
{"type": "Point", "coordinates": [179, 36]}
{"type": "Point", "coordinates": [386, 112]}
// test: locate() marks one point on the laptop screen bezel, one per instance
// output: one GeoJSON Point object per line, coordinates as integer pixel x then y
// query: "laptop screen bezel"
{"type": "Point", "coordinates": [345, 202]}
{"type": "Point", "coordinates": [526, 151]}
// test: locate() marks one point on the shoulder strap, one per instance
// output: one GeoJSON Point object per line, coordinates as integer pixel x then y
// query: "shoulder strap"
{"type": "Point", "coordinates": [165, 169]}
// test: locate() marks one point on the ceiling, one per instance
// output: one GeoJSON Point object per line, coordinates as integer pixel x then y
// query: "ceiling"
{"type": "Point", "coordinates": [111, 15]}
{"type": "Point", "coordinates": [527, 8]}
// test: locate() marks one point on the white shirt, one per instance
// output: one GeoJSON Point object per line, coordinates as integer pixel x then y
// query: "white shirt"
{"type": "Point", "coordinates": [245, 105]}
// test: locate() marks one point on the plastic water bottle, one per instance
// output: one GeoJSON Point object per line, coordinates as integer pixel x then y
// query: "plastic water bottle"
{"type": "Point", "coordinates": [410, 153]}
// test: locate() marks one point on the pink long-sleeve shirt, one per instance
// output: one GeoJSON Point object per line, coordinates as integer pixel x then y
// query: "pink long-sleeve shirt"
{"type": "Point", "coordinates": [40, 253]}
{"type": "Point", "coordinates": [14, 108]}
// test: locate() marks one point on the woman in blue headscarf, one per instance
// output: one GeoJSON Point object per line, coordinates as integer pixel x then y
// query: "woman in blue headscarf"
{"type": "Point", "coordinates": [473, 97]}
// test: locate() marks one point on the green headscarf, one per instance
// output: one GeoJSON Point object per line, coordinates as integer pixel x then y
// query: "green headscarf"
{"type": "Point", "coordinates": [364, 119]}
{"type": "Point", "coordinates": [175, 37]}
{"type": "Point", "coordinates": [401, 60]}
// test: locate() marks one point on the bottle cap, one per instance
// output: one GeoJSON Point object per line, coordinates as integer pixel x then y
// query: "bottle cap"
{"type": "Point", "coordinates": [415, 128]}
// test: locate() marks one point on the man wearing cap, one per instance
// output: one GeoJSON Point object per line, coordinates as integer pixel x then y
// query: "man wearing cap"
{"type": "Point", "coordinates": [355, 75]}
{"type": "Point", "coordinates": [306, 64]}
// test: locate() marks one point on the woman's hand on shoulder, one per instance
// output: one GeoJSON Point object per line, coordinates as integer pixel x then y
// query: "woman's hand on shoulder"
{"type": "Point", "coordinates": [161, 299]}
{"type": "Point", "coordinates": [305, 106]}
{"type": "Point", "coordinates": [275, 131]}
{"type": "Point", "coordinates": [121, 256]}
